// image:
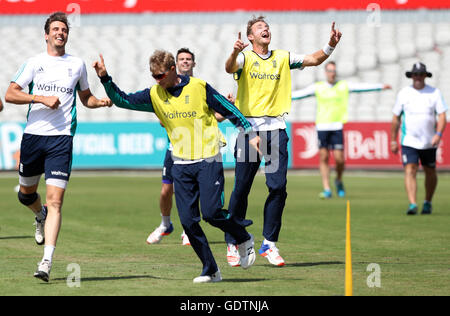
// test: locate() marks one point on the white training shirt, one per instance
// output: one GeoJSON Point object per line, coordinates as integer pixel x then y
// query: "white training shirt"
{"type": "Point", "coordinates": [419, 109]}
{"type": "Point", "coordinates": [267, 123]}
{"type": "Point", "coordinates": [60, 76]}
{"type": "Point", "coordinates": [353, 87]}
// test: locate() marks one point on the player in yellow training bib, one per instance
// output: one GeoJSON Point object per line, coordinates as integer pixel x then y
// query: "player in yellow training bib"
{"type": "Point", "coordinates": [185, 106]}
{"type": "Point", "coordinates": [332, 113]}
{"type": "Point", "coordinates": [264, 97]}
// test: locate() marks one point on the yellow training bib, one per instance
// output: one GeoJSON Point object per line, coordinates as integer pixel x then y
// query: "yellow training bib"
{"type": "Point", "coordinates": [190, 124]}
{"type": "Point", "coordinates": [332, 102]}
{"type": "Point", "coordinates": [264, 85]}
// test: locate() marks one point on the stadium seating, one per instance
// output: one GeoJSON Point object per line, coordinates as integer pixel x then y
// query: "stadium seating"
{"type": "Point", "coordinates": [367, 53]}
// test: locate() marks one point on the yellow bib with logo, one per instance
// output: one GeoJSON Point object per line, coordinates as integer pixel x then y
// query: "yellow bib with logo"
{"type": "Point", "coordinates": [264, 85]}
{"type": "Point", "coordinates": [189, 122]}
{"type": "Point", "coordinates": [332, 102]}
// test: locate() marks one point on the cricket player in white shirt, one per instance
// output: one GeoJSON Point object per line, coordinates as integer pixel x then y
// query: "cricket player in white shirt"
{"type": "Point", "coordinates": [53, 78]}
{"type": "Point", "coordinates": [415, 110]}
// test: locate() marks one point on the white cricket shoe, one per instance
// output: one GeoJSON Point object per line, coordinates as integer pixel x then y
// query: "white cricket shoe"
{"type": "Point", "coordinates": [215, 277]}
{"type": "Point", "coordinates": [156, 236]}
{"type": "Point", "coordinates": [271, 253]}
{"type": "Point", "coordinates": [43, 270]}
{"type": "Point", "coordinates": [233, 257]}
{"type": "Point", "coordinates": [185, 239]}
{"type": "Point", "coordinates": [39, 235]}
{"type": "Point", "coordinates": [247, 252]}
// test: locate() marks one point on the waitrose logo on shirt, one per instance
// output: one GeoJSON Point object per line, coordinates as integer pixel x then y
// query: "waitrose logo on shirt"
{"type": "Point", "coordinates": [177, 115]}
{"type": "Point", "coordinates": [264, 76]}
{"type": "Point", "coordinates": [52, 88]}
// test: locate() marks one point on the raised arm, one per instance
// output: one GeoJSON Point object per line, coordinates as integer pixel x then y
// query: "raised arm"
{"type": "Point", "coordinates": [139, 101]}
{"type": "Point", "coordinates": [320, 56]}
{"type": "Point", "coordinates": [304, 93]}
{"type": "Point", "coordinates": [367, 87]}
{"type": "Point", "coordinates": [231, 65]}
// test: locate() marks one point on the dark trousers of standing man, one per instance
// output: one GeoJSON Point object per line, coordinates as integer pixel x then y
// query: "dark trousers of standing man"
{"type": "Point", "coordinates": [203, 182]}
{"type": "Point", "coordinates": [273, 145]}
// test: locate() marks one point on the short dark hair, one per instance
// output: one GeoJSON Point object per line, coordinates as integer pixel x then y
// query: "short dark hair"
{"type": "Point", "coordinates": [253, 21]}
{"type": "Point", "coordinates": [56, 16]}
{"type": "Point", "coordinates": [185, 50]}
{"type": "Point", "coordinates": [330, 63]}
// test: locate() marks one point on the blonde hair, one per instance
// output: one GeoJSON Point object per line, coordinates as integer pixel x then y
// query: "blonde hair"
{"type": "Point", "coordinates": [253, 21]}
{"type": "Point", "coordinates": [161, 59]}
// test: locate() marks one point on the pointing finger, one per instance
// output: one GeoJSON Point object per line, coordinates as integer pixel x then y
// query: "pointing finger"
{"type": "Point", "coordinates": [239, 35]}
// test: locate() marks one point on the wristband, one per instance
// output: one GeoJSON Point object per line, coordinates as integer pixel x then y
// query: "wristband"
{"type": "Point", "coordinates": [439, 134]}
{"type": "Point", "coordinates": [32, 100]}
{"type": "Point", "coordinates": [327, 49]}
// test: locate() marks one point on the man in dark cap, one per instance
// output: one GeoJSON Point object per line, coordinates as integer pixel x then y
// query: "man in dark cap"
{"type": "Point", "coordinates": [416, 107]}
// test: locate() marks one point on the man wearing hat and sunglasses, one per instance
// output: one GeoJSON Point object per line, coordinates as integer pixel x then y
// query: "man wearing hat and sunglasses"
{"type": "Point", "coordinates": [416, 109]}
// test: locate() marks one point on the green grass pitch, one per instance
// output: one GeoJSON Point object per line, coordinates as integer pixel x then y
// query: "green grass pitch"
{"type": "Point", "coordinates": [106, 220]}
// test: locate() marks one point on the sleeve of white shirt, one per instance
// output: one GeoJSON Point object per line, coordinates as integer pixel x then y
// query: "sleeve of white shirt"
{"type": "Point", "coordinates": [25, 75]}
{"type": "Point", "coordinates": [364, 87]}
{"type": "Point", "coordinates": [441, 106]}
{"type": "Point", "coordinates": [84, 84]}
{"type": "Point", "coordinates": [309, 91]}
{"type": "Point", "coordinates": [398, 107]}
{"type": "Point", "coordinates": [296, 61]}
{"type": "Point", "coordinates": [240, 60]}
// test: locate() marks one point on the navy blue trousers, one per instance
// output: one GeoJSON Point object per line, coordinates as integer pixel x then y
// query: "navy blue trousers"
{"type": "Point", "coordinates": [200, 186]}
{"type": "Point", "coordinates": [274, 148]}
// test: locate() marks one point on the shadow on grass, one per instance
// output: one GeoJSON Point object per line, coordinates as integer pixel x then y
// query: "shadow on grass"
{"type": "Point", "coordinates": [312, 264]}
{"type": "Point", "coordinates": [15, 237]}
{"type": "Point", "coordinates": [112, 278]}
{"type": "Point", "coordinates": [242, 280]}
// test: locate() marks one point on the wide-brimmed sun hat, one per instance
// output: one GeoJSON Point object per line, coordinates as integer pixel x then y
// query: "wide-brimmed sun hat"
{"type": "Point", "coordinates": [418, 68]}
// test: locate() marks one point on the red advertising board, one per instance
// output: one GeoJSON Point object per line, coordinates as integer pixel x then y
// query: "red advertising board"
{"type": "Point", "coordinates": [139, 6]}
{"type": "Point", "coordinates": [367, 145]}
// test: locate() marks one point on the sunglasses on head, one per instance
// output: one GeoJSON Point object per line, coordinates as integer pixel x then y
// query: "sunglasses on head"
{"type": "Point", "coordinates": [161, 76]}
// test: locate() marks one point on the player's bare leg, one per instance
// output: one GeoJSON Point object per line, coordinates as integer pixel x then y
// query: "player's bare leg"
{"type": "Point", "coordinates": [55, 197]}
{"type": "Point", "coordinates": [340, 167]}
{"type": "Point", "coordinates": [165, 199]}
{"type": "Point", "coordinates": [324, 167]}
{"type": "Point", "coordinates": [165, 205]}
{"type": "Point", "coordinates": [411, 187]}
{"type": "Point", "coordinates": [431, 182]}
{"type": "Point", "coordinates": [27, 194]}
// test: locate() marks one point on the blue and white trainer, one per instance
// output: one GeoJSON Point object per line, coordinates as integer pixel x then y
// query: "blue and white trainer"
{"type": "Point", "coordinates": [271, 253]}
{"type": "Point", "coordinates": [156, 236]}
